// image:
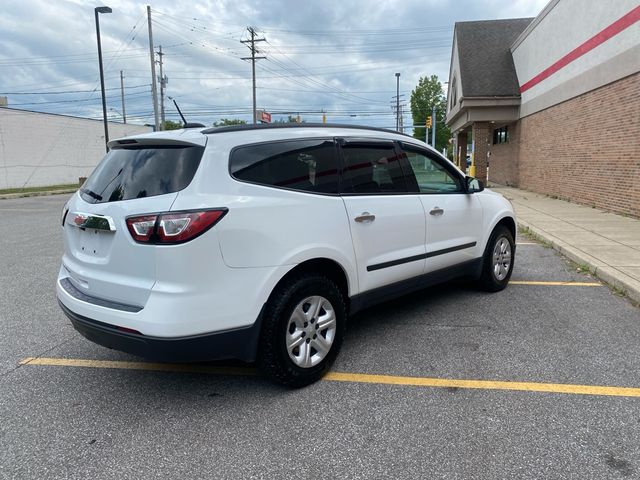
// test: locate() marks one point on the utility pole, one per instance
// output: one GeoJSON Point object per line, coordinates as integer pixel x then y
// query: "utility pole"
{"type": "Point", "coordinates": [433, 127]}
{"type": "Point", "coordinates": [253, 59]}
{"type": "Point", "coordinates": [97, 11]}
{"type": "Point", "coordinates": [124, 112]}
{"type": "Point", "coordinates": [397, 109]}
{"type": "Point", "coordinates": [397, 102]}
{"type": "Point", "coordinates": [162, 85]}
{"type": "Point", "coordinates": [154, 88]}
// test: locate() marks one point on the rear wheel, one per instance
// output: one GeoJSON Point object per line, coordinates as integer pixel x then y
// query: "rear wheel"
{"type": "Point", "coordinates": [498, 260]}
{"type": "Point", "coordinates": [302, 330]}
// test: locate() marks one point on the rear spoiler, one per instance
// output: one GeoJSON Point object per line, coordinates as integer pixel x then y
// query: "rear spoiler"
{"type": "Point", "coordinates": [157, 141]}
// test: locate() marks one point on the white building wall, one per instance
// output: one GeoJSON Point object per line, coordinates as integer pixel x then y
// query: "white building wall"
{"type": "Point", "coordinates": [560, 28]}
{"type": "Point", "coordinates": [40, 149]}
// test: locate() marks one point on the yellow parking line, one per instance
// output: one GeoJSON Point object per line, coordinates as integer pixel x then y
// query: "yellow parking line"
{"type": "Point", "coordinates": [156, 367]}
{"type": "Point", "coordinates": [352, 377]}
{"type": "Point", "coordinates": [556, 284]}
{"type": "Point", "coordinates": [485, 384]}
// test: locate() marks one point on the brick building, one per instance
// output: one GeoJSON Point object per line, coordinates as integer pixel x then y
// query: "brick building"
{"type": "Point", "coordinates": [552, 104]}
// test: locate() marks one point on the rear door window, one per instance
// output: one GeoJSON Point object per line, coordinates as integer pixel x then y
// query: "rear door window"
{"type": "Point", "coordinates": [309, 165]}
{"type": "Point", "coordinates": [372, 169]}
{"type": "Point", "coordinates": [138, 172]}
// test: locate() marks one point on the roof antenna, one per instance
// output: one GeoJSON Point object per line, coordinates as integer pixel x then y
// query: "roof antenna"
{"type": "Point", "coordinates": [184, 120]}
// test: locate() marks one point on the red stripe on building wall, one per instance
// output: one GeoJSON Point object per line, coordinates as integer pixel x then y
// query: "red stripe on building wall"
{"type": "Point", "coordinates": [616, 27]}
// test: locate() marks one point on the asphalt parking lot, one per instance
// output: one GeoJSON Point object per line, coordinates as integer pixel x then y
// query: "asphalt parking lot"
{"type": "Point", "coordinates": [541, 380]}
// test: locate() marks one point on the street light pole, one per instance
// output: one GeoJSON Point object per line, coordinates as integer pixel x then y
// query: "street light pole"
{"type": "Point", "coordinates": [97, 11]}
{"type": "Point", "coordinates": [397, 102]}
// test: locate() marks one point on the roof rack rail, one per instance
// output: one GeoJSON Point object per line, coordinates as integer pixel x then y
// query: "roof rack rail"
{"type": "Point", "coordinates": [193, 125]}
{"type": "Point", "coordinates": [270, 126]}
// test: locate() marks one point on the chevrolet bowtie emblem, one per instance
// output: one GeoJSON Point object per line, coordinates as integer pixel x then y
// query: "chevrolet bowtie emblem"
{"type": "Point", "coordinates": [96, 222]}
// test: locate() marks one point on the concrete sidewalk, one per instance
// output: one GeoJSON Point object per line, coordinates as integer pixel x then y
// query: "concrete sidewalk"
{"type": "Point", "coordinates": [608, 244]}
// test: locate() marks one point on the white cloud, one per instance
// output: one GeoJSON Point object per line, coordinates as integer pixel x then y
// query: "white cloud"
{"type": "Point", "coordinates": [336, 56]}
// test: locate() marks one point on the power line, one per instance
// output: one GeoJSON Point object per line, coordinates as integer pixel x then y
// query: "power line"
{"type": "Point", "coordinates": [322, 84]}
{"type": "Point", "coordinates": [69, 91]}
{"type": "Point", "coordinates": [376, 31]}
{"type": "Point", "coordinates": [322, 91]}
{"type": "Point", "coordinates": [76, 100]}
{"type": "Point", "coordinates": [171, 29]}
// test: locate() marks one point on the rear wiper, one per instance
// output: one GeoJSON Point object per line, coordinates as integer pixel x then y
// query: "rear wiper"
{"type": "Point", "coordinates": [91, 193]}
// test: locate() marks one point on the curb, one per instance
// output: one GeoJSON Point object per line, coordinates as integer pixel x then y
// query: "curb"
{"type": "Point", "coordinates": [8, 196]}
{"type": "Point", "coordinates": [609, 275]}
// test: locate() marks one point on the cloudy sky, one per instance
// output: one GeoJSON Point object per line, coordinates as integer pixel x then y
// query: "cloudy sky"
{"type": "Point", "coordinates": [321, 55]}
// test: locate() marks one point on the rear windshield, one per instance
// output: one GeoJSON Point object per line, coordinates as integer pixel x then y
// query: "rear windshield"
{"type": "Point", "coordinates": [135, 172]}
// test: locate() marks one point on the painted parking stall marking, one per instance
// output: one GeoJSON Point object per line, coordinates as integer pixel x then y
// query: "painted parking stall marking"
{"type": "Point", "coordinates": [425, 382]}
{"type": "Point", "coordinates": [148, 366]}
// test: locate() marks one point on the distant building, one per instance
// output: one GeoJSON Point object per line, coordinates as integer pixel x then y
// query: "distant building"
{"type": "Point", "coordinates": [552, 104]}
{"type": "Point", "coordinates": [41, 149]}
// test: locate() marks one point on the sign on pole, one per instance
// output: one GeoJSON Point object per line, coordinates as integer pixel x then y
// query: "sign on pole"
{"type": "Point", "coordinates": [263, 116]}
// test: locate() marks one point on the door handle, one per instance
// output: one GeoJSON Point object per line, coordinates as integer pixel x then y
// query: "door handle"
{"type": "Point", "coordinates": [365, 217]}
{"type": "Point", "coordinates": [437, 211]}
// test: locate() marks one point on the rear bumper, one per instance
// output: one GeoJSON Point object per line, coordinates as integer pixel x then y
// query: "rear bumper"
{"type": "Point", "coordinates": [240, 343]}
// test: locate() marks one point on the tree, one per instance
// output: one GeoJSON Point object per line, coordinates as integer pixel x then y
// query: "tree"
{"type": "Point", "coordinates": [290, 119]}
{"type": "Point", "coordinates": [428, 93]}
{"type": "Point", "coordinates": [169, 125]}
{"type": "Point", "coordinates": [225, 122]}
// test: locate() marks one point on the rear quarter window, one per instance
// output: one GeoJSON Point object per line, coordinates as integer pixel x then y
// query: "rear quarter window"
{"type": "Point", "coordinates": [308, 165]}
{"type": "Point", "coordinates": [139, 172]}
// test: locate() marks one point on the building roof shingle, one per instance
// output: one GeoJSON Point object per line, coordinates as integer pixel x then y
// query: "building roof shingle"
{"type": "Point", "coordinates": [486, 64]}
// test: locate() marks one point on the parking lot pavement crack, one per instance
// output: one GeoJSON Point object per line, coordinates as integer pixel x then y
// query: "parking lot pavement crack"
{"type": "Point", "coordinates": [24, 362]}
{"type": "Point", "coordinates": [450, 326]}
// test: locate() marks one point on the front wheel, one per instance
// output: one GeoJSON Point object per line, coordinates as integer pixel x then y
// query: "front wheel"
{"type": "Point", "coordinates": [302, 332]}
{"type": "Point", "coordinates": [497, 263]}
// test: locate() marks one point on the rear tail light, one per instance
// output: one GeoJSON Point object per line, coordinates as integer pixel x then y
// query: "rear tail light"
{"type": "Point", "coordinates": [173, 227]}
{"type": "Point", "coordinates": [142, 228]}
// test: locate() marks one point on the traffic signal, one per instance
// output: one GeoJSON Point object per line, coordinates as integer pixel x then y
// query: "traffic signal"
{"type": "Point", "coordinates": [429, 121]}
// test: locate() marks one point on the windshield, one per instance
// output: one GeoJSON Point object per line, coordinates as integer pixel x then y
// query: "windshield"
{"type": "Point", "coordinates": [138, 172]}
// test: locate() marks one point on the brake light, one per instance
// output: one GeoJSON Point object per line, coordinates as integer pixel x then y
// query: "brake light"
{"type": "Point", "coordinates": [141, 228]}
{"type": "Point", "coordinates": [173, 227]}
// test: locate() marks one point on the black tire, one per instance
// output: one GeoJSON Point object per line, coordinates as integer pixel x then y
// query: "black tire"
{"type": "Point", "coordinates": [489, 280]}
{"type": "Point", "coordinates": [273, 356]}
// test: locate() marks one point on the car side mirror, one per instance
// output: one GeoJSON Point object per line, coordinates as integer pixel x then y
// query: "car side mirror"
{"type": "Point", "coordinates": [473, 185]}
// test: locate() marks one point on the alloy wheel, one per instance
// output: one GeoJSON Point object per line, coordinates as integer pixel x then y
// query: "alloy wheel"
{"type": "Point", "coordinates": [501, 258]}
{"type": "Point", "coordinates": [311, 331]}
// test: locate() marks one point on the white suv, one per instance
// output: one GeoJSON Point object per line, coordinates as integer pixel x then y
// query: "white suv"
{"type": "Point", "coordinates": [257, 243]}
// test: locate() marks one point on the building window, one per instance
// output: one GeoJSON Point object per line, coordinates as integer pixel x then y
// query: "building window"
{"type": "Point", "coordinates": [501, 135]}
{"type": "Point", "coordinates": [454, 94]}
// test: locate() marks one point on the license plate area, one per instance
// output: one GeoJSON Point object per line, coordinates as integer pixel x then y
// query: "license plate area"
{"type": "Point", "coordinates": [94, 243]}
